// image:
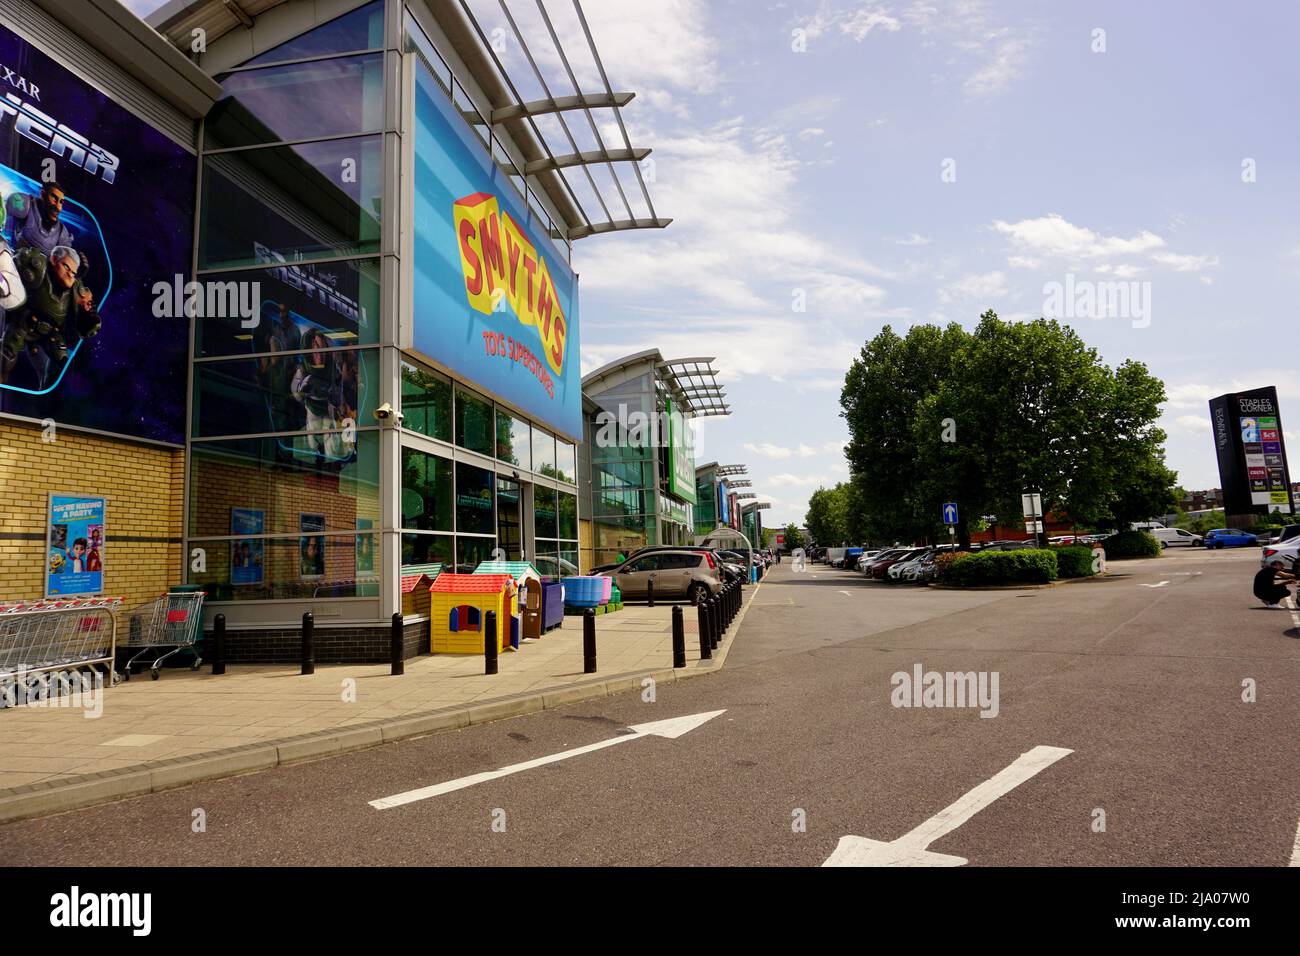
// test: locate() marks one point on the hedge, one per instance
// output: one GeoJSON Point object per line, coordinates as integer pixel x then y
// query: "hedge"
{"type": "Point", "coordinates": [1074, 561]}
{"type": "Point", "coordinates": [1132, 544]}
{"type": "Point", "coordinates": [1022, 566]}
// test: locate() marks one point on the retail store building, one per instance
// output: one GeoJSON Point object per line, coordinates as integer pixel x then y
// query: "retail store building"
{"type": "Point", "coordinates": [335, 327]}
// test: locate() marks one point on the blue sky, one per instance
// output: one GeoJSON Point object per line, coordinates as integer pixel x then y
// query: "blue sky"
{"type": "Point", "coordinates": [820, 174]}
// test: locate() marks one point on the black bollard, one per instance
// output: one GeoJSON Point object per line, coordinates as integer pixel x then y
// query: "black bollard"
{"type": "Point", "coordinates": [702, 618]}
{"type": "Point", "coordinates": [650, 592]}
{"type": "Point", "coordinates": [308, 643]}
{"type": "Point", "coordinates": [219, 644]}
{"type": "Point", "coordinates": [589, 641]}
{"type": "Point", "coordinates": [396, 646]}
{"type": "Point", "coordinates": [715, 611]}
{"type": "Point", "coordinates": [679, 638]}
{"type": "Point", "coordinates": [490, 646]}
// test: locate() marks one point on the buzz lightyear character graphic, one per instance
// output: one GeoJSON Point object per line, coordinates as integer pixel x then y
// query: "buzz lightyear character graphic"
{"type": "Point", "coordinates": [315, 388]}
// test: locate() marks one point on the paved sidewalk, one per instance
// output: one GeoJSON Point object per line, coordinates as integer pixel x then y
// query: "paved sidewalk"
{"type": "Point", "coordinates": [186, 713]}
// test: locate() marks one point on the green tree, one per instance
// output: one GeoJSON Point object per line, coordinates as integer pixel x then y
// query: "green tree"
{"type": "Point", "coordinates": [793, 537]}
{"type": "Point", "coordinates": [981, 417]}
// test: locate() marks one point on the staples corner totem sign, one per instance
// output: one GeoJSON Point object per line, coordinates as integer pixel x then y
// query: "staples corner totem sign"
{"type": "Point", "coordinates": [494, 300]}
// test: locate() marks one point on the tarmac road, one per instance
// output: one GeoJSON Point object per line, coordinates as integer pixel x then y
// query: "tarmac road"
{"type": "Point", "coordinates": [1143, 684]}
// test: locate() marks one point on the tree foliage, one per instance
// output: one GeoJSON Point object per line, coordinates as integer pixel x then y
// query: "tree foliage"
{"type": "Point", "coordinates": [980, 417]}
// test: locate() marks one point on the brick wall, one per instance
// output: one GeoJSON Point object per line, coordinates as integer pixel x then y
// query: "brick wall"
{"type": "Point", "coordinates": [356, 644]}
{"type": "Point", "coordinates": [143, 485]}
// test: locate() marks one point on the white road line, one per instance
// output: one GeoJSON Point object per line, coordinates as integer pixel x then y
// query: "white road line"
{"type": "Point", "coordinates": [1160, 585]}
{"type": "Point", "coordinates": [1289, 603]}
{"type": "Point", "coordinates": [910, 849]}
{"type": "Point", "coordinates": [1295, 850]}
{"type": "Point", "coordinates": [849, 593]}
{"type": "Point", "coordinates": [671, 728]}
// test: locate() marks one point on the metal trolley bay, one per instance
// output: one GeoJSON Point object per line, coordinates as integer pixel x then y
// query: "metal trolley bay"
{"type": "Point", "coordinates": [172, 620]}
{"type": "Point", "coordinates": [56, 635]}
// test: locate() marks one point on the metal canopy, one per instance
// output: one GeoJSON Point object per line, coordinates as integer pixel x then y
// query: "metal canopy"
{"type": "Point", "coordinates": [561, 148]}
{"type": "Point", "coordinates": [740, 483]}
{"type": "Point", "coordinates": [745, 495]}
{"type": "Point", "coordinates": [695, 382]}
{"type": "Point", "coordinates": [554, 104]}
{"type": "Point", "coordinates": [725, 470]}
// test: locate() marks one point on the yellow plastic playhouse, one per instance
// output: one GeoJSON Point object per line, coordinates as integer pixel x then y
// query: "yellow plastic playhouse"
{"type": "Point", "coordinates": [457, 605]}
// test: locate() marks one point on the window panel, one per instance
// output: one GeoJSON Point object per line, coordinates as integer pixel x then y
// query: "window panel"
{"type": "Point", "coordinates": [514, 441]}
{"type": "Point", "coordinates": [426, 402]}
{"type": "Point", "coordinates": [283, 301]}
{"type": "Point", "coordinates": [543, 452]}
{"type": "Point", "coordinates": [544, 512]}
{"type": "Point", "coordinates": [566, 461]}
{"type": "Point", "coordinates": [474, 422]}
{"type": "Point", "coordinates": [426, 491]}
{"type": "Point", "coordinates": [315, 567]}
{"type": "Point", "coordinates": [568, 516]}
{"type": "Point", "coordinates": [271, 482]}
{"type": "Point", "coordinates": [428, 549]}
{"type": "Point", "coordinates": [314, 391]}
{"type": "Point", "coordinates": [474, 511]}
{"type": "Point", "coordinates": [328, 211]}
{"type": "Point", "coordinates": [362, 29]}
{"type": "Point", "coordinates": [298, 101]}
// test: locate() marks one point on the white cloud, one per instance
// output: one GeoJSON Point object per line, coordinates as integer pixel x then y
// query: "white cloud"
{"type": "Point", "coordinates": [914, 239]}
{"type": "Point", "coordinates": [1053, 240]}
{"type": "Point", "coordinates": [862, 21]}
{"type": "Point", "coordinates": [768, 450]}
{"type": "Point", "coordinates": [985, 288]}
{"type": "Point", "coordinates": [810, 132]}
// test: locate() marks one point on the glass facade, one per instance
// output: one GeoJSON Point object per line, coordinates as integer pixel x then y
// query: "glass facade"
{"type": "Point", "coordinates": [284, 472]}
{"type": "Point", "coordinates": [289, 470]}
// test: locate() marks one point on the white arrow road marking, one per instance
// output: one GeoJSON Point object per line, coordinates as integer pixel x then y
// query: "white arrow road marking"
{"type": "Point", "coordinates": [1193, 573]}
{"type": "Point", "coordinates": [849, 593]}
{"type": "Point", "coordinates": [672, 728]}
{"type": "Point", "coordinates": [910, 848]}
{"type": "Point", "coordinates": [1160, 585]}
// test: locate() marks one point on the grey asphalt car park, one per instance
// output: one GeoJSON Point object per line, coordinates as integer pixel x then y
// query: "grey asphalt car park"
{"type": "Point", "coordinates": [1140, 676]}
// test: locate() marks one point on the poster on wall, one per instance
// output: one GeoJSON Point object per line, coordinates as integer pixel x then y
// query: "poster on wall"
{"type": "Point", "coordinates": [96, 207]}
{"type": "Point", "coordinates": [494, 298]}
{"type": "Point", "coordinates": [75, 553]}
{"type": "Point", "coordinates": [311, 550]}
{"type": "Point", "coordinates": [247, 555]}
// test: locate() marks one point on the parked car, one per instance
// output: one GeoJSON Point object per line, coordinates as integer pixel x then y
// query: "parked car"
{"type": "Point", "coordinates": [1286, 534]}
{"type": "Point", "coordinates": [899, 569]}
{"type": "Point", "coordinates": [851, 556]}
{"type": "Point", "coordinates": [1007, 545]}
{"type": "Point", "coordinates": [881, 568]}
{"type": "Point", "coordinates": [1229, 538]}
{"type": "Point", "coordinates": [1288, 552]}
{"type": "Point", "coordinates": [678, 574]}
{"type": "Point", "coordinates": [733, 565]}
{"type": "Point", "coordinates": [885, 555]}
{"type": "Point", "coordinates": [835, 557]}
{"type": "Point", "coordinates": [1177, 538]}
{"type": "Point", "coordinates": [865, 558]}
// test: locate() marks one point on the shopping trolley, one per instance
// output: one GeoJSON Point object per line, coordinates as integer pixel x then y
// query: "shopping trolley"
{"type": "Point", "coordinates": [61, 634]}
{"type": "Point", "coordinates": [172, 620]}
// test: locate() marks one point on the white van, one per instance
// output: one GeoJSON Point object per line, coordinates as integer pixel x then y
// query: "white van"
{"type": "Point", "coordinates": [1152, 526]}
{"type": "Point", "coordinates": [835, 556]}
{"type": "Point", "coordinates": [1176, 538]}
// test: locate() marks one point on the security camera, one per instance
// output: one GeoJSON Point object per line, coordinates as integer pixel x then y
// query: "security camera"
{"type": "Point", "coordinates": [386, 411]}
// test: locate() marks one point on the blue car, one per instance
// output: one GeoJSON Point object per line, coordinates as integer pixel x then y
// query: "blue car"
{"type": "Point", "coordinates": [1230, 538]}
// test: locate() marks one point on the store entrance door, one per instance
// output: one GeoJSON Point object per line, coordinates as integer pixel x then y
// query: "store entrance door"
{"type": "Point", "coordinates": [510, 537]}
